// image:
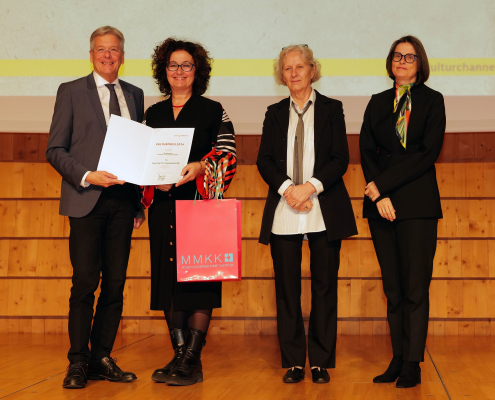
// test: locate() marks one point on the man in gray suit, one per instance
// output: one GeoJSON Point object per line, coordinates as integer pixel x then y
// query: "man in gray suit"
{"type": "Point", "coordinates": [102, 209]}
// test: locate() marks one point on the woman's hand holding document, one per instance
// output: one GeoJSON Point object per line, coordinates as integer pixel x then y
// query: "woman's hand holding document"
{"type": "Point", "coordinates": [142, 155]}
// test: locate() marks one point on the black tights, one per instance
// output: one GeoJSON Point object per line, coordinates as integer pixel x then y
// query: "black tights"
{"type": "Point", "coordinates": [193, 319]}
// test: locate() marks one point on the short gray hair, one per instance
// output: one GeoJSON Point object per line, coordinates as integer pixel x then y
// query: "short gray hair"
{"type": "Point", "coordinates": [105, 30]}
{"type": "Point", "coordinates": [306, 55]}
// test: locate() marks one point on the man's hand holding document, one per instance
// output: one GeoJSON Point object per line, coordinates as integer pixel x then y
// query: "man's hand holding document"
{"type": "Point", "coordinates": [142, 155]}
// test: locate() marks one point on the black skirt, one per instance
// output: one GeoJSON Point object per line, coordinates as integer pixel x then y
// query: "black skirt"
{"type": "Point", "coordinates": [165, 290]}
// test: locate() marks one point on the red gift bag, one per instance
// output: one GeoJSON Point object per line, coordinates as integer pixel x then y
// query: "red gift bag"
{"type": "Point", "coordinates": [208, 240]}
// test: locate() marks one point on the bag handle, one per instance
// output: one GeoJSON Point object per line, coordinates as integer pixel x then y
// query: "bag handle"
{"type": "Point", "coordinates": [218, 184]}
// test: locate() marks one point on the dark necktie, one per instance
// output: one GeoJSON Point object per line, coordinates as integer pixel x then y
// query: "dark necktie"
{"type": "Point", "coordinates": [114, 102]}
{"type": "Point", "coordinates": [297, 175]}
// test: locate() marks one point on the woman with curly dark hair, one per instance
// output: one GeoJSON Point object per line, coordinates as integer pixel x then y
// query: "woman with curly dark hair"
{"type": "Point", "coordinates": [182, 71]}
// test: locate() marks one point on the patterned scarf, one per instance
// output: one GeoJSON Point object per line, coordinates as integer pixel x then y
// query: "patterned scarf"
{"type": "Point", "coordinates": [403, 120]}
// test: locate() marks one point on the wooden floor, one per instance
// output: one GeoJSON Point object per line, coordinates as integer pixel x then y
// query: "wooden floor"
{"type": "Point", "coordinates": [32, 366]}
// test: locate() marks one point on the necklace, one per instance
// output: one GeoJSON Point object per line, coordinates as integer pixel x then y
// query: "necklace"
{"type": "Point", "coordinates": [178, 106]}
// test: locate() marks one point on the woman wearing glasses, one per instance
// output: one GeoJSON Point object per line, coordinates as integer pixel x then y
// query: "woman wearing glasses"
{"type": "Point", "coordinates": [182, 71]}
{"type": "Point", "coordinates": [401, 138]}
{"type": "Point", "coordinates": [303, 156]}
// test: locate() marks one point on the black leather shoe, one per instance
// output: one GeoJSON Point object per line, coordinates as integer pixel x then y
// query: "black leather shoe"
{"type": "Point", "coordinates": [76, 377]}
{"type": "Point", "coordinates": [189, 370]}
{"type": "Point", "coordinates": [320, 375]}
{"type": "Point", "coordinates": [177, 339]}
{"type": "Point", "coordinates": [107, 369]}
{"type": "Point", "coordinates": [410, 375]}
{"type": "Point", "coordinates": [392, 372]}
{"type": "Point", "coordinates": [294, 375]}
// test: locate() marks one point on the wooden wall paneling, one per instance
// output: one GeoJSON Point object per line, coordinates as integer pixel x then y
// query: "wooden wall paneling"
{"type": "Point", "coordinates": [256, 259]}
{"type": "Point", "coordinates": [26, 146]}
{"type": "Point", "coordinates": [247, 182]}
{"type": "Point", "coordinates": [354, 152]}
{"type": "Point", "coordinates": [457, 146]}
{"type": "Point", "coordinates": [5, 246]}
{"type": "Point", "coordinates": [489, 178]}
{"type": "Point", "coordinates": [460, 179]}
{"type": "Point", "coordinates": [7, 217]}
{"type": "Point", "coordinates": [489, 146]}
{"type": "Point", "coordinates": [480, 144]}
{"type": "Point", "coordinates": [6, 146]}
{"type": "Point", "coordinates": [248, 146]}
{"type": "Point", "coordinates": [4, 296]}
{"type": "Point", "coordinates": [474, 179]}
{"type": "Point", "coordinates": [478, 218]}
{"type": "Point", "coordinates": [466, 145]}
{"type": "Point", "coordinates": [136, 258]}
{"type": "Point", "coordinates": [491, 260]}
{"type": "Point", "coordinates": [470, 258]}
{"type": "Point", "coordinates": [42, 145]}
{"type": "Point", "coordinates": [354, 180]}
{"type": "Point", "coordinates": [450, 148]}
{"type": "Point", "coordinates": [252, 210]}
{"type": "Point", "coordinates": [35, 180]}
{"type": "Point", "coordinates": [445, 179]}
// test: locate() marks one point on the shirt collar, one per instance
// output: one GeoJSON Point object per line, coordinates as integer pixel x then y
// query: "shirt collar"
{"type": "Point", "coordinates": [312, 97]}
{"type": "Point", "coordinates": [102, 81]}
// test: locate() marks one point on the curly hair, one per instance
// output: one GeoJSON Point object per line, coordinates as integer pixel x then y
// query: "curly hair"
{"type": "Point", "coordinates": [161, 57]}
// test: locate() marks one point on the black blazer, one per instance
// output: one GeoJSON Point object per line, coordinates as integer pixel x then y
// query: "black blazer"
{"type": "Point", "coordinates": [76, 139]}
{"type": "Point", "coordinates": [331, 160]}
{"type": "Point", "coordinates": [408, 175]}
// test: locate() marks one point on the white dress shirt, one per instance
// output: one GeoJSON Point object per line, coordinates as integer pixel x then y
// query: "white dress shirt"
{"type": "Point", "coordinates": [288, 221]}
{"type": "Point", "coordinates": [104, 95]}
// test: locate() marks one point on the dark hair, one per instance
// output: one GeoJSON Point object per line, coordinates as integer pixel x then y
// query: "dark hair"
{"type": "Point", "coordinates": [423, 65]}
{"type": "Point", "coordinates": [161, 57]}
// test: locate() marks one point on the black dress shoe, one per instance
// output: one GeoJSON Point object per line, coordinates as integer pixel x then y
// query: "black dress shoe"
{"type": "Point", "coordinates": [392, 372]}
{"type": "Point", "coordinates": [410, 375]}
{"type": "Point", "coordinates": [177, 339]}
{"type": "Point", "coordinates": [76, 377]}
{"type": "Point", "coordinates": [294, 375]}
{"type": "Point", "coordinates": [107, 369]}
{"type": "Point", "coordinates": [320, 375]}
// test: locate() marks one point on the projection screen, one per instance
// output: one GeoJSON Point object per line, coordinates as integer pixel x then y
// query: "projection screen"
{"type": "Point", "coordinates": [45, 43]}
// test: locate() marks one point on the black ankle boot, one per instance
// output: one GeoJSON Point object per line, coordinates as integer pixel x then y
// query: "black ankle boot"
{"type": "Point", "coordinates": [177, 339]}
{"type": "Point", "coordinates": [392, 372]}
{"type": "Point", "coordinates": [189, 370]}
{"type": "Point", "coordinates": [410, 375]}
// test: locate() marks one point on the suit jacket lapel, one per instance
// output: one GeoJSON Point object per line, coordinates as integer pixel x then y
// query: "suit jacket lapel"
{"type": "Point", "coordinates": [321, 115]}
{"type": "Point", "coordinates": [129, 99]}
{"type": "Point", "coordinates": [95, 101]}
{"type": "Point", "coordinates": [282, 116]}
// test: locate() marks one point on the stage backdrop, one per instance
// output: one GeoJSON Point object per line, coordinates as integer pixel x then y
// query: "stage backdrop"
{"type": "Point", "coordinates": [45, 43]}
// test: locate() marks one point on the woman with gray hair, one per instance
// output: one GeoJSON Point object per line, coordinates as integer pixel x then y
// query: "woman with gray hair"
{"type": "Point", "coordinates": [303, 156]}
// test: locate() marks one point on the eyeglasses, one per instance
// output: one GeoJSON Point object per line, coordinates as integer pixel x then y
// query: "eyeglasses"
{"type": "Point", "coordinates": [186, 67]}
{"type": "Point", "coordinates": [410, 58]}
{"type": "Point", "coordinates": [303, 45]}
{"type": "Point", "coordinates": [102, 51]}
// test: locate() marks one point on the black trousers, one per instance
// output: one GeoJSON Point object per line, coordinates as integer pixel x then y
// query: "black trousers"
{"type": "Point", "coordinates": [98, 242]}
{"type": "Point", "coordinates": [324, 263]}
{"type": "Point", "coordinates": [405, 251]}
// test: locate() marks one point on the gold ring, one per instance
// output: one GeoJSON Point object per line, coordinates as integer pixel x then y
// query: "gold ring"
{"type": "Point", "coordinates": [305, 208]}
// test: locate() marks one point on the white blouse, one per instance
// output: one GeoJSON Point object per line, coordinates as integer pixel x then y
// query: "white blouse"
{"type": "Point", "coordinates": [288, 221]}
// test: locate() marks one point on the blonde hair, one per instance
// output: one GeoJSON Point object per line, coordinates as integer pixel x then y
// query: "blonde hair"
{"type": "Point", "coordinates": [306, 55]}
{"type": "Point", "coordinates": [105, 30]}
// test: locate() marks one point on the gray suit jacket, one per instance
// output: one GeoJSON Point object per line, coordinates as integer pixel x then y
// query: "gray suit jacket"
{"type": "Point", "coordinates": [76, 139]}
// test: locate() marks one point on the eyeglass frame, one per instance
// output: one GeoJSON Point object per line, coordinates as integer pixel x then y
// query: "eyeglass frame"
{"type": "Point", "coordinates": [103, 51]}
{"type": "Point", "coordinates": [286, 47]}
{"type": "Point", "coordinates": [180, 66]}
{"type": "Point", "coordinates": [403, 56]}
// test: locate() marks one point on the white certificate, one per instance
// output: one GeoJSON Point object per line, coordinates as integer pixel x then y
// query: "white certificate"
{"type": "Point", "coordinates": [142, 155]}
